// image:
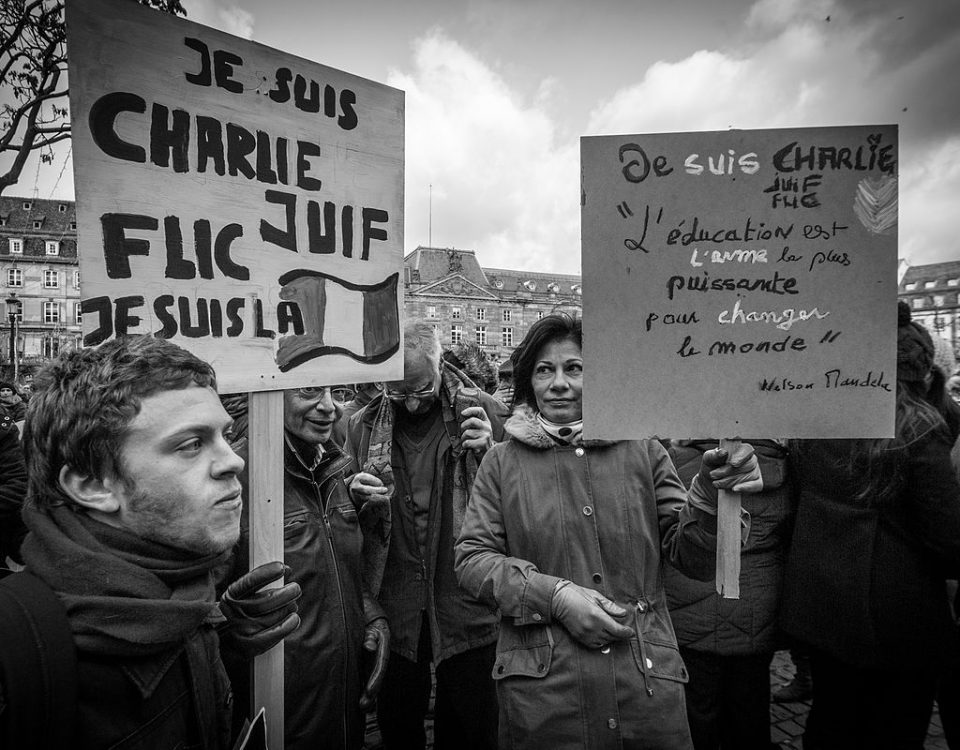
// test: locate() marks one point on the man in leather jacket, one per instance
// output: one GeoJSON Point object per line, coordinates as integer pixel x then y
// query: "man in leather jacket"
{"type": "Point", "coordinates": [334, 662]}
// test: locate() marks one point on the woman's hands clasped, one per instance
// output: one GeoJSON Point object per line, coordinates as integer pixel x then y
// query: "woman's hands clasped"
{"type": "Point", "coordinates": [588, 615]}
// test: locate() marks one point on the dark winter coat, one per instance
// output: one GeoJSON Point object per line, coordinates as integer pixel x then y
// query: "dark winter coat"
{"type": "Point", "coordinates": [13, 490]}
{"type": "Point", "coordinates": [704, 620]}
{"type": "Point", "coordinates": [322, 544]}
{"type": "Point", "coordinates": [603, 515]}
{"type": "Point", "coordinates": [459, 622]}
{"type": "Point", "coordinates": [865, 582]}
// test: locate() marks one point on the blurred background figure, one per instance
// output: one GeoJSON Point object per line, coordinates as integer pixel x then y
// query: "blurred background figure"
{"type": "Point", "coordinates": [473, 362]}
{"type": "Point", "coordinates": [877, 532]}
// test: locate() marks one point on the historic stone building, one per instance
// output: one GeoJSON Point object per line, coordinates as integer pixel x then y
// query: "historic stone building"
{"type": "Point", "coordinates": [493, 307]}
{"type": "Point", "coordinates": [933, 293]}
{"type": "Point", "coordinates": [40, 274]}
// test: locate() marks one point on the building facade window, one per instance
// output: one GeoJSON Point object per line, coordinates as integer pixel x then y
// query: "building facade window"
{"type": "Point", "coordinates": [481, 313]}
{"type": "Point", "coordinates": [917, 303]}
{"type": "Point", "coordinates": [507, 336]}
{"type": "Point", "coordinates": [507, 316]}
{"type": "Point", "coordinates": [16, 246]}
{"type": "Point", "coordinates": [456, 312]}
{"type": "Point", "coordinates": [52, 247]}
{"type": "Point", "coordinates": [51, 312]}
{"type": "Point", "coordinates": [51, 279]}
{"type": "Point", "coordinates": [482, 335]}
{"type": "Point", "coordinates": [539, 314]}
{"type": "Point", "coordinates": [19, 315]}
{"type": "Point", "coordinates": [938, 300]}
{"type": "Point", "coordinates": [14, 277]}
{"type": "Point", "coordinates": [431, 311]}
{"type": "Point", "coordinates": [456, 334]}
{"type": "Point", "coordinates": [50, 346]}
{"type": "Point", "coordinates": [77, 314]}
{"type": "Point", "coordinates": [76, 279]}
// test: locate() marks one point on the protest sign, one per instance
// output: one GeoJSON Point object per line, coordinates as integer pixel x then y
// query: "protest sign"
{"type": "Point", "coordinates": [243, 202]}
{"type": "Point", "coordinates": [740, 283]}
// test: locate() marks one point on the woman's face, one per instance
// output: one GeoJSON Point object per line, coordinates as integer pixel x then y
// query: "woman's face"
{"type": "Point", "coordinates": [558, 381]}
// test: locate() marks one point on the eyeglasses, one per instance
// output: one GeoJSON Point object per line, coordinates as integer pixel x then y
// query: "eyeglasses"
{"type": "Point", "coordinates": [402, 396]}
{"type": "Point", "coordinates": [312, 393]}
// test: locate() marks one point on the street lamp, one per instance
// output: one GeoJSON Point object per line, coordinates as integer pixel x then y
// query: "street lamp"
{"type": "Point", "coordinates": [13, 308]}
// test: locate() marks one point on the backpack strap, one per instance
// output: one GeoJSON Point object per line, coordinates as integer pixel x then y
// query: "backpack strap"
{"type": "Point", "coordinates": [38, 666]}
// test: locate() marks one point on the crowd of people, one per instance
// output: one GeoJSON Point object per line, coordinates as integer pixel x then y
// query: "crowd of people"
{"type": "Point", "coordinates": [453, 533]}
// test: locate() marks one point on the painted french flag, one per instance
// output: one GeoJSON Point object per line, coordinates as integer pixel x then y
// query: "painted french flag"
{"type": "Point", "coordinates": [365, 326]}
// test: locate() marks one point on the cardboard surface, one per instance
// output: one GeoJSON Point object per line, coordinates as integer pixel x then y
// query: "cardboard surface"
{"type": "Point", "coordinates": [246, 203]}
{"type": "Point", "coordinates": [740, 283]}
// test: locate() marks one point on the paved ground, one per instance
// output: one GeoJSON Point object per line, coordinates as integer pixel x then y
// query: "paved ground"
{"type": "Point", "coordinates": [786, 719]}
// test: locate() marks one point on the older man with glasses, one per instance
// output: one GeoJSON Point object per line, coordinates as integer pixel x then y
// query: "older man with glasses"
{"type": "Point", "coordinates": [419, 444]}
{"type": "Point", "coordinates": [334, 663]}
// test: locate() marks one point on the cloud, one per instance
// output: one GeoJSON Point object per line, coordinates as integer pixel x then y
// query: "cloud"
{"type": "Point", "coordinates": [221, 15]}
{"type": "Point", "coordinates": [503, 183]}
{"type": "Point", "coordinates": [795, 68]}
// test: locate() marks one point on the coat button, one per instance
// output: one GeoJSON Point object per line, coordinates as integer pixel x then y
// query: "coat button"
{"type": "Point", "coordinates": [612, 723]}
{"type": "Point", "coordinates": [500, 669]}
{"type": "Point", "coordinates": [641, 607]}
{"type": "Point", "coordinates": [537, 617]}
{"type": "Point", "coordinates": [587, 510]}
{"type": "Point", "coordinates": [597, 578]}
{"type": "Point", "coordinates": [541, 667]}
{"type": "Point", "coordinates": [605, 650]}
{"type": "Point", "coordinates": [579, 451]}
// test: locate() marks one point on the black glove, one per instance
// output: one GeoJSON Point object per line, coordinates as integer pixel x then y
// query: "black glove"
{"type": "Point", "coordinates": [376, 640]}
{"type": "Point", "coordinates": [588, 615]}
{"type": "Point", "coordinates": [258, 620]}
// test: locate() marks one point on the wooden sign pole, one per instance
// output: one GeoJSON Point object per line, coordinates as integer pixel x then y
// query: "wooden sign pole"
{"type": "Point", "coordinates": [266, 542]}
{"type": "Point", "coordinates": [728, 535]}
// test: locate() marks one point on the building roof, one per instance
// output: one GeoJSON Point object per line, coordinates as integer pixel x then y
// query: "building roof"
{"type": "Point", "coordinates": [428, 265]}
{"type": "Point", "coordinates": [939, 273]}
{"type": "Point", "coordinates": [56, 222]}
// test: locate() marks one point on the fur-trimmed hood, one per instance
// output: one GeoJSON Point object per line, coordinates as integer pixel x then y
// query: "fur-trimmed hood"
{"type": "Point", "coordinates": [524, 427]}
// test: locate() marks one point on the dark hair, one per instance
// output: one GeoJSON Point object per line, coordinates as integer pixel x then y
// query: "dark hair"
{"type": "Point", "coordinates": [557, 327]}
{"type": "Point", "coordinates": [921, 409]}
{"type": "Point", "coordinates": [84, 401]}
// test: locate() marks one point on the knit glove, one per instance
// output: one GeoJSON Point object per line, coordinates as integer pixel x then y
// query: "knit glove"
{"type": "Point", "coordinates": [588, 615]}
{"type": "Point", "coordinates": [257, 618]}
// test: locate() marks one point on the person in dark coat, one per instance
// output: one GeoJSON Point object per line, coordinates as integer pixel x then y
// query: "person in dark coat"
{"type": "Point", "coordinates": [133, 507]}
{"type": "Point", "coordinates": [335, 661]}
{"type": "Point", "coordinates": [727, 644]}
{"type": "Point", "coordinates": [877, 533]}
{"type": "Point", "coordinates": [566, 538]}
{"type": "Point", "coordinates": [13, 491]}
{"type": "Point", "coordinates": [418, 445]}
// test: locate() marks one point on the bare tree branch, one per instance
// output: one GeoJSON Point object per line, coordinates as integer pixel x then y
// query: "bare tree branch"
{"type": "Point", "coordinates": [33, 59]}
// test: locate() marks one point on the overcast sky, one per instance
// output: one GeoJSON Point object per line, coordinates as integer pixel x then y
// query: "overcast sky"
{"type": "Point", "coordinates": [498, 93]}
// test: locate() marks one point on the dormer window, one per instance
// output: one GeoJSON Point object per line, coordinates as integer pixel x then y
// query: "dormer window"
{"type": "Point", "coordinates": [62, 208]}
{"type": "Point", "coordinates": [38, 223]}
{"type": "Point", "coordinates": [27, 205]}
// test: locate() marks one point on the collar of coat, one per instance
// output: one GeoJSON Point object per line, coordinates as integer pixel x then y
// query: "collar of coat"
{"type": "Point", "coordinates": [524, 427]}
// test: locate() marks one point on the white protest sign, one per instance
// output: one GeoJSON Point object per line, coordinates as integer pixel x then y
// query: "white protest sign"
{"type": "Point", "coordinates": [243, 202]}
{"type": "Point", "coordinates": [740, 283]}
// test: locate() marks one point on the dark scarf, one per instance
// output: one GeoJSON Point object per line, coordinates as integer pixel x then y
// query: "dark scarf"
{"type": "Point", "coordinates": [456, 392]}
{"type": "Point", "coordinates": [124, 596]}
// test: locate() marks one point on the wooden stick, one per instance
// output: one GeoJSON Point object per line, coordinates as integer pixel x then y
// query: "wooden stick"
{"type": "Point", "coordinates": [266, 542]}
{"type": "Point", "coordinates": [728, 535]}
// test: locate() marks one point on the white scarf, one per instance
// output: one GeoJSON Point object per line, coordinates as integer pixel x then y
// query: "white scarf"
{"type": "Point", "coordinates": [569, 433]}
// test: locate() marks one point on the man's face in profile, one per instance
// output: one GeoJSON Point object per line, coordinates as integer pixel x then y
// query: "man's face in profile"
{"type": "Point", "coordinates": [180, 484]}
